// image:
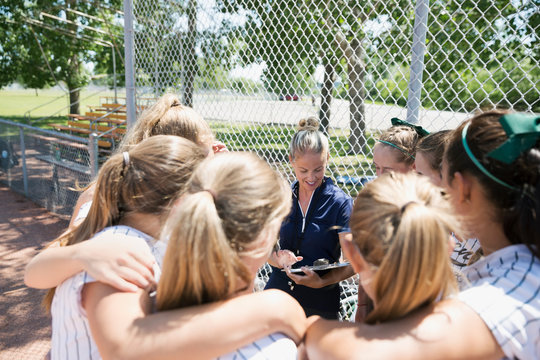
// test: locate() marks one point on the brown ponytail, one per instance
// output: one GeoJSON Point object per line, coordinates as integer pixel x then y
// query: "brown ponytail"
{"type": "Point", "coordinates": [156, 172]}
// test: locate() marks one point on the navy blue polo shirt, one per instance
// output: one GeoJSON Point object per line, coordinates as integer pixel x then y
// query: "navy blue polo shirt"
{"type": "Point", "coordinates": [327, 215]}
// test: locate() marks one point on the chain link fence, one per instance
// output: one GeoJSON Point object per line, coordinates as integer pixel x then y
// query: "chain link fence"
{"type": "Point", "coordinates": [253, 68]}
{"type": "Point", "coordinates": [46, 166]}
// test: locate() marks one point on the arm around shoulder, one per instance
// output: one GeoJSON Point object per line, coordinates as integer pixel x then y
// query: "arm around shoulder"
{"type": "Point", "coordinates": [165, 335]}
{"type": "Point", "coordinates": [449, 330]}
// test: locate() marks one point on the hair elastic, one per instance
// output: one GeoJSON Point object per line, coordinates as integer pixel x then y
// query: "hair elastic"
{"type": "Point", "coordinates": [404, 207]}
{"type": "Point", "coordinates": [478, 164]}
{"type": "Point", "coordinates": [126, 158]}
{"type": "Point", "coordinates": [397, 147]}
{"type": "Point", "coordinates": [211, 192]}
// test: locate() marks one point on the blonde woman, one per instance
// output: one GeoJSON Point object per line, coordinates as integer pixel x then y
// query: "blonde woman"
{"type": "Point", "coordinates": [319, 216]}
{"type": "Point", "coordinates": [222, 231]}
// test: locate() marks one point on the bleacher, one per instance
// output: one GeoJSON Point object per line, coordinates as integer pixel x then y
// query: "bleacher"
{"type": "Point", "coordinates": [107, 120]}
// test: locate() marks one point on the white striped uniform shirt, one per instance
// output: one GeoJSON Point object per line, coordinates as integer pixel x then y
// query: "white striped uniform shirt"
{"type": "Point", "coordinates": [276, 346]}
{"type": "Point", "coordinates": [463, 251]}
{"type": "Point", "coordinates": [71, 336]}
{"type": "Point", "coordinates": [505, 293]}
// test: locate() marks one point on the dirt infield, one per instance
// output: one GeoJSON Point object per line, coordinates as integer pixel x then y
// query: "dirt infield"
{"type": "Point", "coordinates": [24, 229]}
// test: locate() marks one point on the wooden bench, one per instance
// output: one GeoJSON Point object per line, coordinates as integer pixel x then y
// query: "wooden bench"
{"type": "Point", "coordinates": [74, 127]}
{"type": "Point", "coordinates": [97, 118]}
{"type": "Point", "coordinates": [114, 108]}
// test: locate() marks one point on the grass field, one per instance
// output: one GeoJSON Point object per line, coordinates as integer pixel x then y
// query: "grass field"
{"type": "Point", "coordinates": [15, 105]}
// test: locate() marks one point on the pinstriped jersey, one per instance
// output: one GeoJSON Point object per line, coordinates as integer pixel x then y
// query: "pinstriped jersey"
{"type": "Point", "coordinates": [276, 346]}
{"type": "Point", "coordinates": [505, 293]}
{"type": "Point", "coordinates": [71, 336]}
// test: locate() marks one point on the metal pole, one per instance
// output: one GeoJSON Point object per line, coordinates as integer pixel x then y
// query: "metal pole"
{"type": "Point", "coordinates": [129, 63]}
{"type": "Point", "coordinates": [93, 152]}
{"type": "Point", "coordinates": [114, 74]}
{"type": "Point", "coordinates": [418, 50]}
{"type": "Point", "coordinates": [23, 158]}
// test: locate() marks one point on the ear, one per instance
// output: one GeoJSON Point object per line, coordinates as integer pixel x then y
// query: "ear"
{"type": "Point", "coordinates": [290, 159]}
{"type": "Point", "coordinates": [352, 253]}
{"type": "Point", "coordinates": [463, 186]}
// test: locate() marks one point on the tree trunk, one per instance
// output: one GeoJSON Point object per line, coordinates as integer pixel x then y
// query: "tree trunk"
{"type": "Point", "coordinates": [326, 97]}
{"type": "Point", "coordinates": [74, 64]}
{"type": "Point", "coordinates": [190, 65]}
{"type": "Point", "coordinates": [74, 96]}
{"type": "Point", "coordinates": [357, 94]}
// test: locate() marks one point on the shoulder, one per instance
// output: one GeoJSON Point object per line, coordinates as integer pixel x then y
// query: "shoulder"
{"type": "Point", "coordinates": [337, 194]}
{"type": "Point", "coordinates": [505, 292]}
{"type": "Point", "coordinates": [124, 231]}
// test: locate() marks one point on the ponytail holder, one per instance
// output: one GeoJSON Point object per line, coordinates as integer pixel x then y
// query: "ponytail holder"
{"type": "Point", "coordinates": [125, 154]}
{"type": "Point", "coordinates": [404, 207]}
{"type": "Point", "coordinates": [211, 192]}
{"type": "Point", "coordinates": [523, 131]}
{"type": "Point", "coordinates": [417, 128]}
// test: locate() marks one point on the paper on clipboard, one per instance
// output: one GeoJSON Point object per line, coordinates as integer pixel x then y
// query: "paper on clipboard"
{"type": "Point", "coordinates": [321, 267]}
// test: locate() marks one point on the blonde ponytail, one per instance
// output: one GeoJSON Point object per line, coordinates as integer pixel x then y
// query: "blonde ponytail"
{"type": "Point", "coordinates": [202, 260]}
{"type": "Point", "coordinates": [231, 199]}
{"type": "Point", "coordinates": [402, 224]}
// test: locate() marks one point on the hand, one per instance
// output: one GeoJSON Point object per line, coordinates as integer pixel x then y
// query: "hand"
{"type": "Point", "coordinates": [286, 258]}
{"type": "Point", "coordinates": [310, 278]}
{"type": "Point", "coordinates": [125, 264]}
{"type": "Point", "coordinates": [218, 147]}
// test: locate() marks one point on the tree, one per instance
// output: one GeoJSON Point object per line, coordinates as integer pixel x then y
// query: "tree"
{"type": "Point", "coordinates": [285, 34]}
{"type": "Point", "coordinates": [46, 42]}
{"type": "Point", "coordinates": [471, 38]}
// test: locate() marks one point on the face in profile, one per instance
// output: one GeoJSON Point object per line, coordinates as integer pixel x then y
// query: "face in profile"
{"type": "Point", "coordinates": [423, 167]}
{"type": "Point", "coordinates": [260, 249]}
{"type": "Point", "coordinates": [385, 159]}
{"type": "Point", "coordinates": [309, 169]}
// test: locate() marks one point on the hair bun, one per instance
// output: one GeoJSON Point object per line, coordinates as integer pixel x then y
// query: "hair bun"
{"type": "Point", "coordinates": [309, 124]}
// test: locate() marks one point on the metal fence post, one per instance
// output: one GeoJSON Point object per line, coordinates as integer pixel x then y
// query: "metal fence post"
{"type": "Point", "coordinates": [93, 152]}
{"type": "Point", "coordinates": [418, 50]}
{"type": "Point", "coordinates": [129, 63]}
{"type": "Point", "coordinates": [23, 158]}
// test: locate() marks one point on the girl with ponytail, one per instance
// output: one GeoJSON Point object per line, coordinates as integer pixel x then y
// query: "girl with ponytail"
{"type": "Point", "coordinates": [401, 227]}
{"type": "Point", "coordinates": [132, 196]}
{"type": "Point", "coordinates": [221, 232]}
{"type": "Point", "coordinates": [491, 172]}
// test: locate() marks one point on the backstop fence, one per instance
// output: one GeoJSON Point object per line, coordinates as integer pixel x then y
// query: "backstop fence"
{"type": "Point", "coordinates": [253, 68]}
